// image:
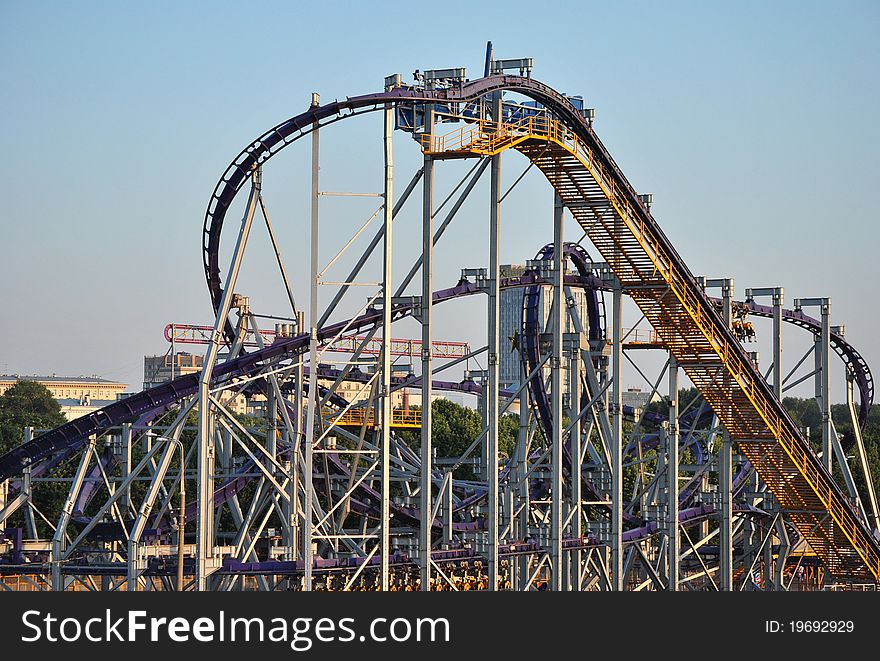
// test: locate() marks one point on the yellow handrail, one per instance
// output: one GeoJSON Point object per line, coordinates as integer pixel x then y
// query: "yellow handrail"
{"type": "Point", "coordinates": [487, 138]}
{"type": "Point", "coordinates": [354, 417]}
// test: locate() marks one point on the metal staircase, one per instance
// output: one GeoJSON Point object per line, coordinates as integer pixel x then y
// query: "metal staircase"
{"type": "Point", "coordinates": [667, 293]}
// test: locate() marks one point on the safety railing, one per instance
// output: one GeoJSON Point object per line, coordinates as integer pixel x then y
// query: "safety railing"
{"type": "Point", "coordinates": [356, 417]}
{"type": "Point", "coordinates": [488, 138]}
{"type": "Point", "coordinates": [641, 336]}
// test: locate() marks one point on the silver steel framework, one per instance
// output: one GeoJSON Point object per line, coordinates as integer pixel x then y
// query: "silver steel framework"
{"type": "Point", "coordinates": [297, 496]}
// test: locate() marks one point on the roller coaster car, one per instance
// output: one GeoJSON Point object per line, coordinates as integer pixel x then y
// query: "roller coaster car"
{"type": "Point", "coordinates": [744, 330]}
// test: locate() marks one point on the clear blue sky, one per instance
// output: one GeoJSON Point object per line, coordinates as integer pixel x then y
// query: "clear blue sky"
{"type": "Point", "coordinates": [753, 123]}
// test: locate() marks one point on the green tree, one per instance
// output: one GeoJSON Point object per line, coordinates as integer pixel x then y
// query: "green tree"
{"type": "Point", "coordinates": [26, 404]}
{"type": "Point", "coordinates": [30, 404]}
{"type": "Point", "coordinates": [508, 428]}
{"type": "Point", "coordinates": [454, 427]}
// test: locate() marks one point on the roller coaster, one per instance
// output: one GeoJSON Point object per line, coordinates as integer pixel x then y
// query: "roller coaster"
{"type": "Point", "coordinates": [170, 489]}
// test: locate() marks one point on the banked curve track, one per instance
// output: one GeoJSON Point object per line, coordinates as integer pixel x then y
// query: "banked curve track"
{"type": "Point", "coordinates": [280, 136]}
{"type": "Point", "coordinates": [566, 149]}
{"type": "Point", "coordinates": [658, 280]}
{"type": "Point", "coordinates": [606, 205]}
{"type": "Point", "coordinates": [599, 196]}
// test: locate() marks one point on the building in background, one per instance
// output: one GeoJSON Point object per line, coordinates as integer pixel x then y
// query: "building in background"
{"type": "Point", "coordinates": [63, 387]}
{"type": "Point", "coordinates": [73, 408]}
{"type": "Point", "coordinates": [638, 399]}
{"type": "Point", "coordinates": [161, 369]}
{"type": "Point", "coordinates": [511, 319]}
{"type": "Point", "coordinates": [355, 391]}
{"type": "Point", "coordinates": [77, 395]}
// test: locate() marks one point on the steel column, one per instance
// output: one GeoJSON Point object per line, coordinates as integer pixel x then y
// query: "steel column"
{"type": "Point", "coordinates": [860, 446]}
{"type": "Point", "coordinates": [205, 467]}
{"type": "Point", "coordinates": [521, 565]}
{"type": "Point", "coordinates": [825, 383]}
{"type": "Point", "coordinates": [725, 453]}
{"type": "Point", "coordinates": [616, 441]}
{"type": "Point", "coordinates": [312, 401]}
{"type": "Point", "coordinates": [778, 300]}
{"type": "Point", "coordinates": [777, 295]}
{"type": "Point", "coordinates": [494, 296]}
{"type": "Point", "coordinates": [66, 513]}
{"type": "Point", "coordinates": [27, 490]}
{"type": "Point", "coordinates": [271, 424]}
{"type": "Point", "coordinates": [126, 439]}
{"type": "Point", "coordinates": [385, 443]}
{"type": "Point", "coordinates": [426, 449]}
{"type": "Point", "coordinates": [725, 471]}
{"type": "Point", "coordinates": [576, 463]}
{"type": "Point", "coordinates": [672, 462]}
{"type": "Point", "coordinates": [557, 499]}
{"type": "Point", "coordinates": [292, 505]}
{"type": "Point", "coordinates": [822, 349]}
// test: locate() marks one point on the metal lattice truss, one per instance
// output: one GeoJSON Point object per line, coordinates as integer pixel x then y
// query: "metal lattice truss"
{"type": "Point", "coordinates": [327, 485]}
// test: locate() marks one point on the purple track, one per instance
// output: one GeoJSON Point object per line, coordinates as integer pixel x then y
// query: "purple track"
{"type": "Point", "coordinates": [57, 445]}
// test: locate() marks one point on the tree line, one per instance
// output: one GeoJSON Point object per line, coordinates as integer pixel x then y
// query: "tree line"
{"type": "Point", "coordinates": [454, 428]}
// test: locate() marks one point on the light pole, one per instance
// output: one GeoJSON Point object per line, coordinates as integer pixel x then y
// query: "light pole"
{"type": "Point", "coordinates": [181, 515]}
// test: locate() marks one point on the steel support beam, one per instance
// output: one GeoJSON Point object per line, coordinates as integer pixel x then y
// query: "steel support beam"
{"type": "Point", "coordinates": [58, 539]}
{"type": "Point", "coordinates": [126, 440]}
{"type": "Point", "coordinates": [312, 400]}
{"type": "Point", "coordinates": [778, 300]}
{"type": "Point", "coordinates": [556, 375]}
{"type": "Point", "coordinates": [426, 318]}
{"type": "Point", "coordinates": [616, 441]}
{"type": "Point", "coordinates": [860, 446]}
{"type": "Point", "coordinates": [823, 380]}
{"type": "Point", "coordinates": [205, 467]}
{"type": "Point", "coordinates": [725, 472]}
{"type": "Point", "coordinates": [574, 384]}
{"type": "Point", "coordinates": [492, 386]}
{"type": "Point", "coordinates": [725, 460]}
{"type": "Point", "coordinates": [672, 462]}
{"type": "Point", "coordinates": [292, 505]}
{"type": "Point", "coordinates": [385, 443]}
{"type": "Point", "coordinates": [521, 565]}
{"type": "Point", "coordinates": [27, 490]}
{"type": "Point", "coordinates": [825, 384]}
{"type": "Point", "coordinates": [777, 295]}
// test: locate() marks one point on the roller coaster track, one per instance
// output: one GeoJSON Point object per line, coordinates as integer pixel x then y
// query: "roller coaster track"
{"type": "Point", "coordinates": [282, 135]}
{"type": "Point", "coordinates": [599, 196]}
{"type": "Point", "coordinates": [597, 193]}
{"type": "Point", "coordinates": [74, 434]}
{"type": "Point", "coordinates": [56, 444]}
{"type": "Point", "coordinates": [668, 295]}
{"type": "Point", "coordinates": [64, 441]}
{"type": "Point", "coordinates": [59, 444]}
{"type": "Point", "coordinates": [847, 352]}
